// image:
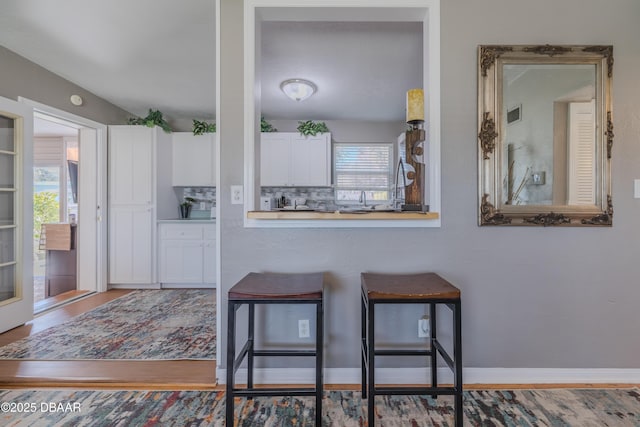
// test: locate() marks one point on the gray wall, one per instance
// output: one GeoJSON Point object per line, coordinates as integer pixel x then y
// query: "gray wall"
{"type": "Point", "coordinates": [21, 77]}
{"type": "Point", "coordinates": [532, 297]}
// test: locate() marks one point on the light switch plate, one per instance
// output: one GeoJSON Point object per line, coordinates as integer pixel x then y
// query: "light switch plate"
{"type": "Point", "coordinates": [538, 178]}
{"type": "Point", "coordinates": [636, 188]}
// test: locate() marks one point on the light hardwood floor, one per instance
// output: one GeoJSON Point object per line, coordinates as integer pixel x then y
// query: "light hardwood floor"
{"type": "Point", "coordinates": [121, 374]}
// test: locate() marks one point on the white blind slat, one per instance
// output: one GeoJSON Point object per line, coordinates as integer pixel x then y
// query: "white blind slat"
{"type": "Point", "coordinates": [362, 167]}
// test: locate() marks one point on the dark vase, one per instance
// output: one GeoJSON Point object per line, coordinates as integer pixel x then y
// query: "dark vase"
{"type": "Point", "coordinates": [185, 211]}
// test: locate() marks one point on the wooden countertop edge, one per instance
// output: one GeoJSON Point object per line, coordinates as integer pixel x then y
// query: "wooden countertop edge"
{"type": "Point", "coordinates": [301, 215]}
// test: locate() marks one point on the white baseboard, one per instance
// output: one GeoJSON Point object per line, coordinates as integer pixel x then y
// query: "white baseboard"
{"type": "Point", "coordinates": [133, 286]}
{"type": "Point", "coordinates": [188, 285]}
{"type": "Point", "coordinates": [421, 375]}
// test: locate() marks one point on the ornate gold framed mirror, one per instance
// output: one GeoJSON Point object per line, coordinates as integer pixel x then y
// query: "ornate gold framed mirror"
{"type": "Point", "coordinates": [545, 135]}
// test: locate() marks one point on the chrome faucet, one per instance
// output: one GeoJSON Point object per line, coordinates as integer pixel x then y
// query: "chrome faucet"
{"type": "Point", "coordinates": [397, 201]}
{"type": "Point", "coordinates": [363, 198]}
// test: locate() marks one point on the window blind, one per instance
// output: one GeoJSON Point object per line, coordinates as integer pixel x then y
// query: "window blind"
{"type": "Point", "coordinates": [361, 167]}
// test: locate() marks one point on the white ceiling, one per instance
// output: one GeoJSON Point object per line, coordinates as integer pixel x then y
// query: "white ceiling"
{"type": "Point", "coordinates": [44, 127]}
{"type": "Point", "coordinates": [362, 69]}
{"type": "Point", "coordinates": [161, 54]}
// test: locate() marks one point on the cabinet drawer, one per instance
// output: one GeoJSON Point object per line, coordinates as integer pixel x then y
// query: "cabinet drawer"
{"type": "Point", "coordinates": [180, 231]}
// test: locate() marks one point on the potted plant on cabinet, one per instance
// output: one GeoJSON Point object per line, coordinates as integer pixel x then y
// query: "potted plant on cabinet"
{"type": "Point", "coordinates": [185, 207]}
{"type": "Point", "coordinates": [312, 128]}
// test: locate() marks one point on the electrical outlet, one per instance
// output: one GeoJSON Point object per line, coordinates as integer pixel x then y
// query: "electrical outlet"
{"type": "Point", "coordinates": [236, 195]}
{"type": "Point", "coordinates": [303, 328]}
{"type": "Point", "coordinates": [423, 327]}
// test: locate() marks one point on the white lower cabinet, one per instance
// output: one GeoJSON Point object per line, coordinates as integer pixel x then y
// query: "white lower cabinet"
{"type": "Point", "coordinates": [187, 254]}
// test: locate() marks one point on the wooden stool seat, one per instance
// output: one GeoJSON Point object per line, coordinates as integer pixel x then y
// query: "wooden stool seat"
{"type": "Point", "coordinates": [268, 289]}
{"type": "Point", "coordinates": [410, 286]}
{"type": "Point", "coordinates": [278, 286]}
{"type": "Point", "coordinates": [419, 288]}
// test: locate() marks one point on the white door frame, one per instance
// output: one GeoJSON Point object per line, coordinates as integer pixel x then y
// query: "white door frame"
{"type": "Point", "coordinates": [19, 309]}
{"type": "Point", "coordinates": [101, 174]}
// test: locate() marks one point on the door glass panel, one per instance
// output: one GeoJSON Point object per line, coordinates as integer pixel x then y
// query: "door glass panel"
{"type": "Point", "coordinates": [7, 216]}
{"type": "Point", "coordinates": [7, 245]}
{"type": "Point", "coordinates": [7, 282]}
{"type": "Point", "coordinates": [7, 179]}
{"type": "Point", "coordinates": [6, 134]}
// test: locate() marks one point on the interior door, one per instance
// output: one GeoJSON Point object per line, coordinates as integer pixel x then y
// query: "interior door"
{"type": "Point", "coordinates": [16, 214]}
{"type": "Point", "coordinates": [89, 219]}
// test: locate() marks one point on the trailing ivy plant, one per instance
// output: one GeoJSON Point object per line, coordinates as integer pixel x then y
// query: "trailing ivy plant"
{"type": "Point", "coordinates": [312, 128]}
{"type": "Point", "coordinates": [265, 126]}
{"type": "Point", "coordinates": [153, 119]}
{"type": "Point", "coordinates": [200, 128]}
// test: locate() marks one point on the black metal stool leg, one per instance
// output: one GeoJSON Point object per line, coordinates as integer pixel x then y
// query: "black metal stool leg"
{"type": "Point", "coordinates": [457, 357]}
{"type": "Point", "coordinates": [231, 352]}
{"type": "Point", "coordinates": [364, 352]}
{"type": "Point", "coordinates": [319, 361]}
{"type": "Point", "coordinates": [433, 324]}
{"type": "Point", "coordinates": [371, 399]}
{"type": "Point", "coordinates": [250, 337]}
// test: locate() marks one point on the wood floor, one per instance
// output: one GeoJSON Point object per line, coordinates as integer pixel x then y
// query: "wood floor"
{"type": "Point", "coordinates": [121, 374]}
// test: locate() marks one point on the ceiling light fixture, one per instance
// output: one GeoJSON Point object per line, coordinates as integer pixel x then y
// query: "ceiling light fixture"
{"type": "Point", "coordinates": [298, 89]}
{"type": "Point", "coordinates": [76, 100]}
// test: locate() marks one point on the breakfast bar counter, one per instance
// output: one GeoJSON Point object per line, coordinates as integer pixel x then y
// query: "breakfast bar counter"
{"type": "Point", "coordinates": [341, 215]}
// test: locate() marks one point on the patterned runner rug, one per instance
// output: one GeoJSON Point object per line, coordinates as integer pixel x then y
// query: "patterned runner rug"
{"type": "Point", "coordinates": [167, 324]}
{"type": "Point", "coordinates": [564, 407]}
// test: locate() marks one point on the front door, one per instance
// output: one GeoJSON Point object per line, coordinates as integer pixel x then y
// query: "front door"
{"type": "Point", "coordinates": [16, 214]}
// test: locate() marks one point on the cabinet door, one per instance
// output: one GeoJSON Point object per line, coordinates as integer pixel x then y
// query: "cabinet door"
{"type": "Point", "coordinates": [209, 262]}
{"type": "Point", "coordinates": [131, 245]}
{"type": "Point", "coordinates": [311, 160]}
{"type": "Point", "coordinates": [275, 158]}
{"type": "Point", "coordinates": [131, 154]}
{"type": "Point", "coordinates": [181, 261]}
{"type": "Point", "coordinates": [193, 159]}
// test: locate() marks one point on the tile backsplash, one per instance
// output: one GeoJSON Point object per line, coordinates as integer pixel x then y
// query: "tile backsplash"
{"type": "Point", "coordinates": [205, 198]}
{"type": "Point", "coordinates": [321, 198]}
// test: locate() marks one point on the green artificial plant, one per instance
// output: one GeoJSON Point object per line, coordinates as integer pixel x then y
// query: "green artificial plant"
{"type": "Point", "coordinates": [153, 119]}
{"type": "Point", "coordinates": [200, 128]}
{"type": "Point", "coordinates": [188, 201]}
{"type": "Point", "coordinates": [265, 126]}
{"type": "Point", "coordinates": [312, 128]}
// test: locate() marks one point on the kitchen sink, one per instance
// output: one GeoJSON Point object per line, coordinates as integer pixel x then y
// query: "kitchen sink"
{"type": "Point", "coordinates": [366, 209]}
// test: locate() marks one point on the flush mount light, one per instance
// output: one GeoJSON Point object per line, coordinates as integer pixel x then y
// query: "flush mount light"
{"type": "Point", "coordinates": [76, 100]}
{"type": "Point", "coordinates": [298, 89]}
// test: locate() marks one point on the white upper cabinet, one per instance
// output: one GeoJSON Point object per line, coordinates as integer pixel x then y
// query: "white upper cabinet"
{"type": "Point", "coordinates": [194, 159]}
{"type": "Point", "coordinates": [131, 159]}
{"type": "Point", "coordinates": [289, 159]}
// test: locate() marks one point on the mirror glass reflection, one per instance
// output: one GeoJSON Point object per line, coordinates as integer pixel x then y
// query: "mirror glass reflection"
{"type": "Point", "coordinates": [548, 123]}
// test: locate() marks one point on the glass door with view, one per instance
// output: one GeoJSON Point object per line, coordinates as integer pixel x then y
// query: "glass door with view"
{"type": "Point", "coordinates": [55, 208]}
{"type": "Point", "coordinates": [16, 293]}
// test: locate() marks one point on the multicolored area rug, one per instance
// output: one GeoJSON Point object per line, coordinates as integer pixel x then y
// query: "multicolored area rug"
{"type": "Point", "coordinates": [581, 408]}
{"type": "Point", "coordinates": [167, 324]}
